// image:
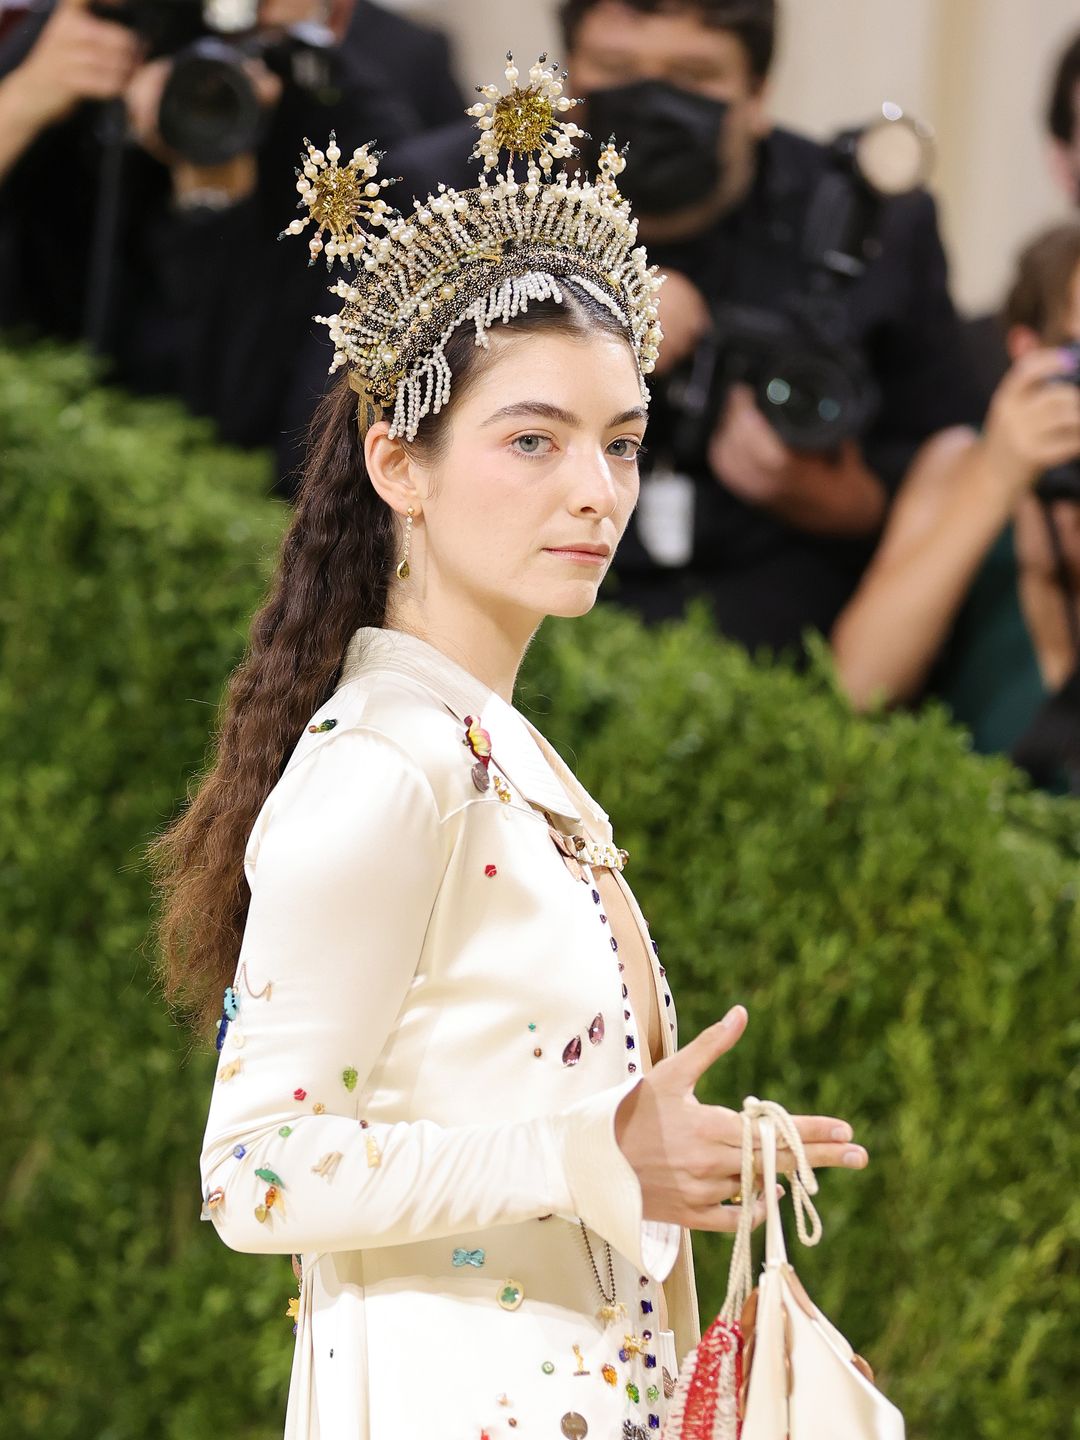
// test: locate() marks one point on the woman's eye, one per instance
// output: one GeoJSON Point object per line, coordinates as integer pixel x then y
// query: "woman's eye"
{"type": "Point", "coordinates": [530, 444]}
{"type": "Point", "coordinates": [628, 449]}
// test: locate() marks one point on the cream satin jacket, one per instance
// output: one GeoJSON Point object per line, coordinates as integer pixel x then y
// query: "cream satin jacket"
{"type": "Point", "coordinates": [414, 1094]}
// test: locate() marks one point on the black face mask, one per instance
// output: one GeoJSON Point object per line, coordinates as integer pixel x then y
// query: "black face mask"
{"type": "Point", "coordinates": [674, 138]}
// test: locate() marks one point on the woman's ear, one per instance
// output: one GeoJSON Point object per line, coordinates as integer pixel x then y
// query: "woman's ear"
{"type": "Point", "coordinates": [391, 469]}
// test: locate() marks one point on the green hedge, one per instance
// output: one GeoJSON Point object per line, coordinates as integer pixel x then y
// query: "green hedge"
{"type": "Point", "coordinates": [900, 917]}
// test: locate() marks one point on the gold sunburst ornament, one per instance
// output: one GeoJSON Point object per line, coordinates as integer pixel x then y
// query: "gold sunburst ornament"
{"type": "Point", "coordinates": [337, 197]}
{"type": "Point", "coordinates": [476, 256]}
{"type": "Point", "coordinates": [524, 121]}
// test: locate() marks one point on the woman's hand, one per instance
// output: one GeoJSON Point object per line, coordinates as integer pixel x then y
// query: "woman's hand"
{"type": "Point", "coordinates": [688, 1156]}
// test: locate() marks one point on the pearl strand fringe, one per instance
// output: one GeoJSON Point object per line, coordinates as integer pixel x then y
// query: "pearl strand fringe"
{"type": "Point", "coordinates": [426, 388]}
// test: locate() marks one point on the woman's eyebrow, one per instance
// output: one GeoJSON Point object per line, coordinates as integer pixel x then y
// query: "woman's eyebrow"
{"type": "Point", "coordinates": [522, 409]}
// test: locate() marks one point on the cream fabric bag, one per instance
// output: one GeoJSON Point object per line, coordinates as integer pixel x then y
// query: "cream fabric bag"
{"type": "Point", "coordinates": [771, 1366]}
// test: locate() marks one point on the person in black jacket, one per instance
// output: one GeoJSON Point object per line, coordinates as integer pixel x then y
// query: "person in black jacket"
{"type": "Point", "coordinates": [202, 302]}
{"type": "Point", "coordinates": [773, 536]}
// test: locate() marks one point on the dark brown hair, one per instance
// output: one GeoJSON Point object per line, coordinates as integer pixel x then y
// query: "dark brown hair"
{"type": "Point", "coordinates": [1061, 109]}
{"type": "Point", "coordinates": [752, 21]}
{"type": "Point", "coordinates": [1039, 295]}
{"type": "Point", "coordinates": [333, 576]}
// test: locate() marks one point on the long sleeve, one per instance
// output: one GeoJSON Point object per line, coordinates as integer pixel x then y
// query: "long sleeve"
{"type": "Point", "coordinates": [346, 865]}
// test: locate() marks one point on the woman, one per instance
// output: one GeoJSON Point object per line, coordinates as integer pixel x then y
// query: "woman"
{"type": "Point", "coordinates": [974, 590]}
{"type": "Point", "coordinates": [448, 1077]}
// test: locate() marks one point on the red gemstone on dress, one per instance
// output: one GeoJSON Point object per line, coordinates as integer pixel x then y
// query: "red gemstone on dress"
{"type": "Point", "coordinates": [596, 1030]}
{"type": "Point", "coordinates": [490, 871]}
{"type": "Point", "coordinates": [299, 1094]}
{"type": "Point", "coordinates": [572, 1054]}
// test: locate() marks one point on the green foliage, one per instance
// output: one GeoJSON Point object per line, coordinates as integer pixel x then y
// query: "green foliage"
{"type": "Point", "coordinates": [132, 550]}
{"type": "Point", "coordinates": [899, 916]}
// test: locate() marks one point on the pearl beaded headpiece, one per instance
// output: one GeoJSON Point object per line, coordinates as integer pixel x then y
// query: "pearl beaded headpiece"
{"type": "Point", "coordinates": [479, 255]}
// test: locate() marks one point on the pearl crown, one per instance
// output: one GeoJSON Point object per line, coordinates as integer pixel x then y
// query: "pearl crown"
{"type": "Point", "coordinates": [477, 256]}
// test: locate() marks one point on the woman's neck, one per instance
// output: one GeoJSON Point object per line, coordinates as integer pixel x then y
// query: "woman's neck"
{"type": "Point", "coordinates": [475, 640]}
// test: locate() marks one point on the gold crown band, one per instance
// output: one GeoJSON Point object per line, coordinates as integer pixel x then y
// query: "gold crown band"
{"type": "Point", "coordinates": [368, 410]}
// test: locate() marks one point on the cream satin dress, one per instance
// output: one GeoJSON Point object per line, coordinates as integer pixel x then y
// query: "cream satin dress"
{"type": "Point", "coordinates": [443, 993]}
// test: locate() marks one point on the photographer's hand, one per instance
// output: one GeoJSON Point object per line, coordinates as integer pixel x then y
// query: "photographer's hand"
{"type": "Point", "coordinates": [810, 492]}
{"type": "Point", "coordinates": [77, 57]}
{"type": "Point", "coordinates": [233, 180]}
{"type": "Point", "coordinates": [688, 1156]}
{"type": "Point", "coordinates": [684, 319]}
{"type": "Point", "coordinates": [1032, 424]}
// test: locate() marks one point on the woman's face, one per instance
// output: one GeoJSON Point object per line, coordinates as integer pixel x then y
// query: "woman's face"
{"type": "Point", "coordinates": [524, 505]}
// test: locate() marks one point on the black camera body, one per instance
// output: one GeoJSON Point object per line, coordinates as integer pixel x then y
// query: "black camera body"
{"type": "Point", "coordinates": [209, 109]}
{"type": "Point", "coordinates": [810, 376]}
{"type": "Point", "coordinates": [1063, 481]}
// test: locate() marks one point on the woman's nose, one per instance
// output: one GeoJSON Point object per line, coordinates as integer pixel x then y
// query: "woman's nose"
{"type": "Point", "coordinates": [595, 491]}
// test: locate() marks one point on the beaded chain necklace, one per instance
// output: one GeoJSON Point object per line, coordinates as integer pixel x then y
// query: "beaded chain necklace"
{"type": "Point", "coordinates": [611, 1310]}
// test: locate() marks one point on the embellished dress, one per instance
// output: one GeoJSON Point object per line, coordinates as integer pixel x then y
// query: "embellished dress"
{"type": "Point", "coordinates": [444, 991]}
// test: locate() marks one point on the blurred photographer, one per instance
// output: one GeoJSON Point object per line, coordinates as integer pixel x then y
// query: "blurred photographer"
{"type": "Point", "coordinates": [810, 342]}
{"type": "Point", "coordinates": [1063, 121]}
{"type": "Point", "coordinates": [146, 154]}
{"type": "Point", "coordinates": [974, 593]}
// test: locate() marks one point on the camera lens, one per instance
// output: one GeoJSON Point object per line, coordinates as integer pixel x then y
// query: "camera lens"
{"type": "Point", "coordinates": [809, 400]}
{"type": "Point", "coordinates": [209, 110]}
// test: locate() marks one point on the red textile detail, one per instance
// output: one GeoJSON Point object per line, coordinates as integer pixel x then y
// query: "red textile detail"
{"type": "Point", "coordinates": [703, 1393]}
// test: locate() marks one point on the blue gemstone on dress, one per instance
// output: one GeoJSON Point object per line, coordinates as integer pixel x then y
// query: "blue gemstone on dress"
{"type": "Point", "coordinates": [624, 1355]}
{"type": "Point", "coordinates": [630, 1042]}
{"type": "Point", "coordinates": [667, 999]}
{"type": "Point", "coordinates": [596, 897]}
{"type": "Point", "coordinates": [239, 1151]}
{"type": "Point", "coordinates": [646, 1307]}
{"type": "Point", "coordinates": [650, 1362]}
{"type": "Point", "coordinates": [655, 948]}
{"type": "Point", "coordinates": [614, 943]}
{"type": "Point", "coordinates": [654, 1422]}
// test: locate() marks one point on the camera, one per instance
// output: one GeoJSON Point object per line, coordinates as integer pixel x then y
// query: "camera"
{"type": "Point", "coordinates": [810, 378]}
{"type": "Point", "coordinates": [209, 109]}
{"type": "Point", "coordinates": [1063, 481]}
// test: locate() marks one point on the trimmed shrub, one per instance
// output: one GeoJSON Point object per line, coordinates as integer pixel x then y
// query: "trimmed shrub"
{"type": "Point", "coordinates": [899, 916]}
{"type": "Point", "coordinates": [131, 551]}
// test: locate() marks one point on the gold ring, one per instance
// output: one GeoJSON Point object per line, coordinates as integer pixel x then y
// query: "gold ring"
{"type": "Point", "coordinates": [736, 1199]}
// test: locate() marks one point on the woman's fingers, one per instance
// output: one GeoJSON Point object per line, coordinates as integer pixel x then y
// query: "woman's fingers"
{"type": "Point", "coordinates": [724, 1127]}
{"type": "Point", "coordinates": [825, 1157]}
{"type": "Point", "coordinates": [814, 1129]}
{"type": "Point", "coordinates": [724, 1219]}
{"type": "Point", "coordinates": [686, 1067]}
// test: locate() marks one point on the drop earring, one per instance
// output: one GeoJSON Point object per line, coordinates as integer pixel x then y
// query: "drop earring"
{"type": "Point", "coordinates": [403, 564]}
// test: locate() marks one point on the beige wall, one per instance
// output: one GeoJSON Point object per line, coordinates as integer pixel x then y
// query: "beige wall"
{"type": "Point", "coordinates": [976, 70]}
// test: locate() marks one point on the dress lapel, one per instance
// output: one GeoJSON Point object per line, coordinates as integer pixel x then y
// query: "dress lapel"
{"type": "Point", "coordinates": [514, 749]}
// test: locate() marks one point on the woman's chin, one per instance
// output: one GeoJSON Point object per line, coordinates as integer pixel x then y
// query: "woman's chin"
{"type": "Point", "coordinates": [572, 603]}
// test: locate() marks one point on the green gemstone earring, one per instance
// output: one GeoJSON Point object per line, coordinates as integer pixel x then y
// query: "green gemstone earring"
{"type": "Point", "coordinates": [402, 571]}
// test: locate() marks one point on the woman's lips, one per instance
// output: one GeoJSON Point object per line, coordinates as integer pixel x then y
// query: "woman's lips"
{"type": "Point", "coordinates": [580, 557]}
